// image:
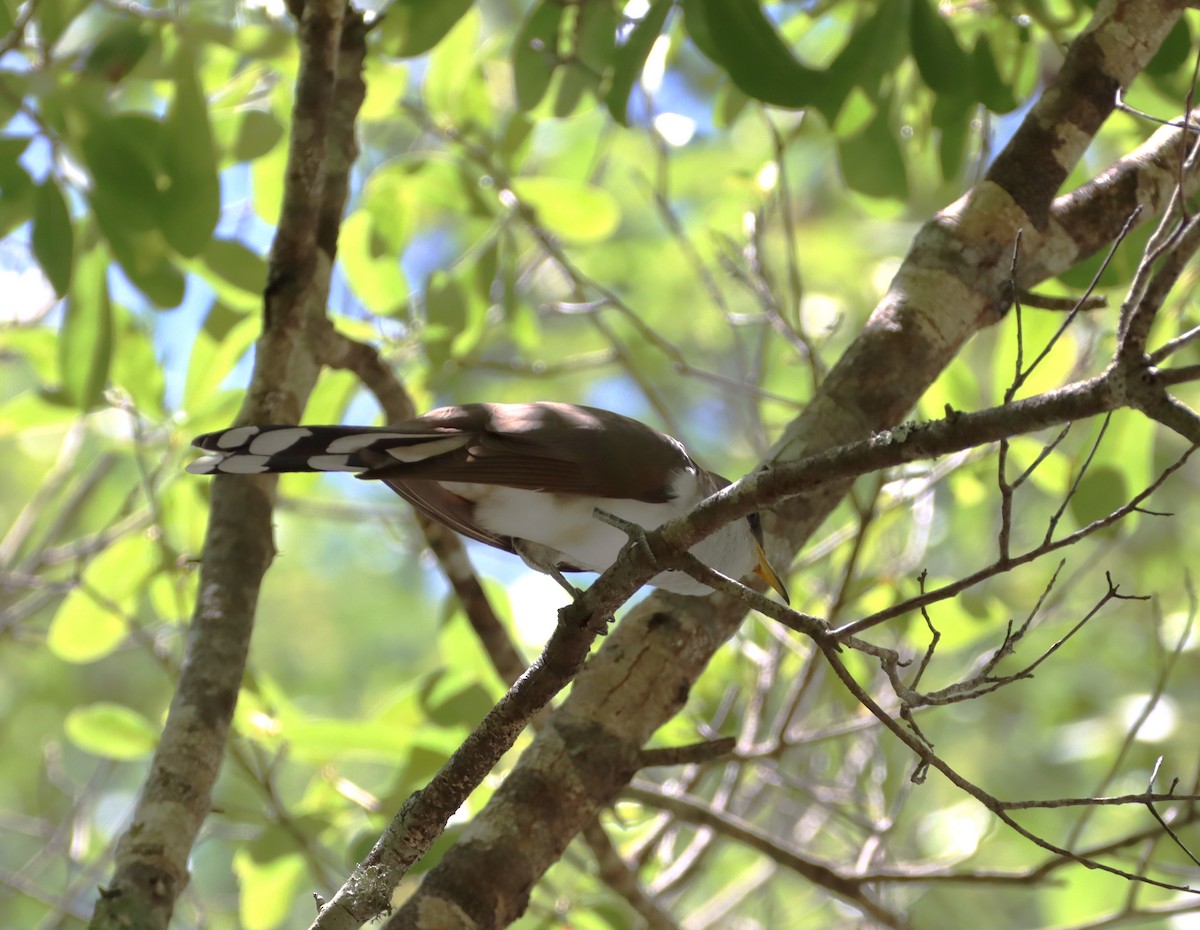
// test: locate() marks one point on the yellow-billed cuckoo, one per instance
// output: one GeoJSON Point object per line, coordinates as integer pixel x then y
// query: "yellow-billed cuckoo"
{"type": "Point", "coordinates": [526, 478]}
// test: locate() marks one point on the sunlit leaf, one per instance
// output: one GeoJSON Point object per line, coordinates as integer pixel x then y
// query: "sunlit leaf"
{"type": "Point", "coordinates": [112, 731]}
{"type": "Point", "coordinates": [576, 211]}
{"type": "Point", "coordinates": [376, 280]}
{"type": "Point", "coordinates": [454, 84]}
{"type": "Point", "coordinates": [84, 630]}
{"type": "Point", "coordinates": [413, 27]}
{"type": "Point", "coordinates": [276, 883]}
{"type": "Point", "coordinates": [30, 410]}
{"type": "Point", "coordinates": [94, 618]}
{"type": "Point", "coordinates": [211, 362]}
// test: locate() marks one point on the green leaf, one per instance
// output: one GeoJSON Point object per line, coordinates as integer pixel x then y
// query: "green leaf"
{"type": "Point", "coordinates": [596, 35]}
{"type": "Point", "coordinates": [940, 59]}
{"type": "Point", "coordinates": [535, 52]}
{"type": "Point", "coordinates": [211, 361]}
{"type": "Point", "coordinates": [376, 279]}
{"type": "Point", "coordinates": [573, 210]}
{"type": "Point", "coordinates": [85, 340]}
{"type": "Point", "coordinates": [874, 50]}
{"type": "Point", "coordinates": [1173, 52]}
{"type": "Point", "coordinates": [84, 630]}
{"type": "Point", "coordinates": [631, 58]}
{"type": "Point", "coordinates": [191, 202]}
{"type": "Point", "coordinates": [413, 27]}
{"type": "Point", "coordinates": [739, 37]}
{"type": "Point", "coordinates": [954, 129]}
{"type": "Point", "coordinates": [52, 237]}
{"type": "Point", "coordinates": [142, 254]}
{"type": "Point", "coordinates": [573, 81]}
{"type": "Point", "coordinates": [53, 17]}
{"type": "Point", "coordinates": [119, 50]}
{"type": "Point", "coordinates": [386, 202]}
{"type": "Point", "coordinates": [454, 86]}
{"type": "Point", "coordinates": [320, 740]}
{"type": "Point", "coordinates": [454, 698]}
{"type": "Point", "coordinates": [123, 155]}
{"type": "Point", "coordinates": [12, 148]}
{"type": "Point", "coordinates": [31, 410]}
{"type": "Point", "coordinates": [872, 161]}
{"type": "Point", "coordinates": [236, 264]}
{"type": "Point", "coordinates": [136, 367]}
{"type": "Point", "coordinates": [446, 311]}
{"type": "Point", "coordinates": [258, 133]}
{"type": "Point", "coordinates": [1102, 490]}
{"type": "Point", "coordinates": [112, 731]}
{"type": "Point", "coordinates": [276, 885]}
{"type": "Point", "coordinates": [990, 88]}
{"type": "Point", "coordinates": [267, 173]}
{"type": "Point", "coordinates": [16, 190]}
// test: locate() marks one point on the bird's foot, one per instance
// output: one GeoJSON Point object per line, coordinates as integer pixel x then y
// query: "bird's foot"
{"type": "Point", "coordinates": [637, 535]}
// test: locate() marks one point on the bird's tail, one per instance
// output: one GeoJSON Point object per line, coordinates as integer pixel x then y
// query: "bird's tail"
{"type": "Point", "coordinates": [257, 450]}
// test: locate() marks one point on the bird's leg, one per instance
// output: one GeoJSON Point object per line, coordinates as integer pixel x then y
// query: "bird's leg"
{"type": "Point", "coordinates": [637, 535]}
{"type": "Point", "coordinates": [529, 553]}
{"type": "Point", "coordinates": [558, 576]}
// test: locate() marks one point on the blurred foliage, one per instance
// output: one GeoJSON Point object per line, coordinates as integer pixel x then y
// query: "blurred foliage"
{"type": "Point", "coordinates": [582, 202]}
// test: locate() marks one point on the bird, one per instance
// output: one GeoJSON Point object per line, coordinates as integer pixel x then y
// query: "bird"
{"type": "Point", "coordinates": [557, 484]}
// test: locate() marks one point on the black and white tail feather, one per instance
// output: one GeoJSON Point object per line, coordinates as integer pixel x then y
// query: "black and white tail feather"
{"type": "Point", "coordinates": [260, 450]}
{"type": "Point", "coordinates": [408, 462]}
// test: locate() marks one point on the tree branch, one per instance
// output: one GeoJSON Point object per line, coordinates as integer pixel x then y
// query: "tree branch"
{"type": "Point", "coordinates": [152, 856]}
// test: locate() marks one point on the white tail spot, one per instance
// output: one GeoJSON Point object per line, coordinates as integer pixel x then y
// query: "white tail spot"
{"type": "Point", "coordinates": [243, 465]}
{"type": "Point", "coordinates": [274, 441]}
{"type": "Point", "coordinates": [205, 465]}
{"type": "Point", "coordinates": [233, 438]}
{"type": "Point", "coordinates": [332, 463]}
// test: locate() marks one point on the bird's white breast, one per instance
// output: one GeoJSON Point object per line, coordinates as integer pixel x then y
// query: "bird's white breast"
{"type": "Point", "coordinates": [566, 524]}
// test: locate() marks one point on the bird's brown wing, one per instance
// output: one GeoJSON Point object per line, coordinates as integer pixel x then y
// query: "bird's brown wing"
{"type": "Point", "coordinates": [556, 448]}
